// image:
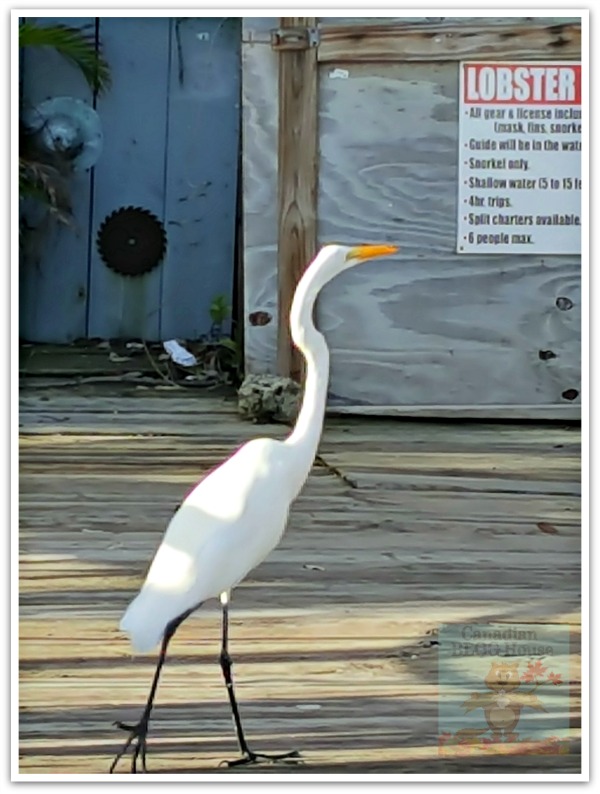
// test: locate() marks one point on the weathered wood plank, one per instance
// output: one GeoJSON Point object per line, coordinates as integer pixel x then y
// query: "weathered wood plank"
{"type": "Point", "coordinates": [441, 529]}
{"type": "Point", "coordinates": [426, 22]}
{"type": "Point", "coordinates": [257, 30]}
{"type": "Point", "coordinates": [297, 157]}
{"type": "Point", "coordinates": [84, 360]}
{"type": "Point", "coordinates": [534, 412]}
{"type": "Point", "coordinates": [544, 466]}
{"type": "Point", "coordinates": [93, 409]}
{"type": "Point", "coordinates": [449, 41]}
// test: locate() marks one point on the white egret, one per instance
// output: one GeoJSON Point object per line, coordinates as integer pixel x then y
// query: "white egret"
{"type": "Point", "coordinates": [236, 515]}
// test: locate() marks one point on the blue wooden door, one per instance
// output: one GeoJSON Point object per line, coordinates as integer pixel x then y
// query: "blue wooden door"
{"type": "Point", "coordinates": [170, 123]}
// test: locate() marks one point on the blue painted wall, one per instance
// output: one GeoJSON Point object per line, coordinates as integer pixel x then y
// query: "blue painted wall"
{"type": "Point", "coordinates": [171, 145]}
{"type": "Point", "coordinates": [54, 267]}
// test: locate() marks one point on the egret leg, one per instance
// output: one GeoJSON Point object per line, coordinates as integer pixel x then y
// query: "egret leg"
{"type": "Point", "coordinates": [139, 732]}
{"type": "Point", "coordinates": [248, 755]}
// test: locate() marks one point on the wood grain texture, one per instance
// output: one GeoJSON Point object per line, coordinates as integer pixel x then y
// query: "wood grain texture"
{"type": "Point", "coordinates": [332, 635]}
{"type": "Point", "coordinates": [297, 160]}
{"type": "Point", "coordinates": [257, 30]}
{"type": "Point", "coordinates": [427, 22]}
{"type": "Point", "coordinates": [436, 328]}
{"type": "Point", "coordinates": [430, 329]}
{"type": "Point", "coordinates": [561, 413]}
{"type": "Point", "coordinates": [449, 41]}
{"type": "Point", "coordinates": [53, 270]}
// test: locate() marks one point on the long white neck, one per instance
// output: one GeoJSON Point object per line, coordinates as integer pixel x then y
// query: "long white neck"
{"type": "Point", "coordinates": [305, 437]}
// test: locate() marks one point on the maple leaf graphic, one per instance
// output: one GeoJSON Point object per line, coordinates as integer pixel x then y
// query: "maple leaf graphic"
{"type": "Point", "coordinates": [534, 670]}
{"type": "Point", "coordinates": [555, 678]}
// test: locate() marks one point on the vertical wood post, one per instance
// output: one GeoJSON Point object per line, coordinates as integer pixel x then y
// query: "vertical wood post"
{"type": "Point", "coordinates": [297, 182]}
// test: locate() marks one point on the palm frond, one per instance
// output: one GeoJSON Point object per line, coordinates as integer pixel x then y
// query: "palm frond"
{"type": "Point", "coordinates": [45, 184]}
{"type": "Point", "coordinates": [74, 45]}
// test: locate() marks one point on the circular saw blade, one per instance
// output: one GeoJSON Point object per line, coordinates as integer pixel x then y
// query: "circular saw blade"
{"type": "Point", "coordinates": [131, 241]}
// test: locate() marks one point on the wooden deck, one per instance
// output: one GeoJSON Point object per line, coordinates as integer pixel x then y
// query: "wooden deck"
{"type": "Point", "coordinates": [333, 636]}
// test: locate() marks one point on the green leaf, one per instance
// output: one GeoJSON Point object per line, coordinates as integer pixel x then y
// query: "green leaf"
{"type": "Point", "coordinates": [219, 309]}
{"type": "Point", "coordinates": [229, 344]}
{"type": "Point", "coordinates": [74, 45]}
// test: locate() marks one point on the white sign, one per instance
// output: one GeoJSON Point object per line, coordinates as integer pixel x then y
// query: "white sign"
{"type": "Point", "coordinates": [519, 158]}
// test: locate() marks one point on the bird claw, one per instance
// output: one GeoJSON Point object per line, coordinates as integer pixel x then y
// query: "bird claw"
{"type": "Point", "coordinates": [138, 734]}
{"type": "Point", "coordinates": [250, 757]}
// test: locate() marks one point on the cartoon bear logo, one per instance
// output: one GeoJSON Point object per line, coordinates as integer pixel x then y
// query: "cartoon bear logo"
{"type": "Point", "coordinates": [503, 704]}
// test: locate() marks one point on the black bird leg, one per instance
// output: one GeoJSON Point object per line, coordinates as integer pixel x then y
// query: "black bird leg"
{"type": "Point", "coordinates": [248, 755]}
{"type": "Point", "coordinates": [139, 732]}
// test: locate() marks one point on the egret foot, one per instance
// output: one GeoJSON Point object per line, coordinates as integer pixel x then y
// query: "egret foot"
{"type": "Point", "coordinates": [249, 757]}
{"type": "Point", "coordinates": [137, 734]}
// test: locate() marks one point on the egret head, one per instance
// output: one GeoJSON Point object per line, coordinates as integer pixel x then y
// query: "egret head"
{"type": "Point", "coordinates": [347, 256]}
{"type": "Point", "coordinates": [331, 260]}
{"type": "Point", "coordinates": [334, 259]}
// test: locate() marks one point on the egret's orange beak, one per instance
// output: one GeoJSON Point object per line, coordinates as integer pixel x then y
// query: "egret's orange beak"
{"type": "Point", "coordinates": [371, 251]}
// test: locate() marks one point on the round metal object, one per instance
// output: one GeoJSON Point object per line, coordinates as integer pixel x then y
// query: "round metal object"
{"type": "Point", "coordinates": [68, 126]}
{"type": "Point", "coordinates": [131, 241]}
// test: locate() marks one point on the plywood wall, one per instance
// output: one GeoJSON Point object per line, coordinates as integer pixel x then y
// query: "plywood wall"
{"type": "Point", "coordinates": [429, 331]}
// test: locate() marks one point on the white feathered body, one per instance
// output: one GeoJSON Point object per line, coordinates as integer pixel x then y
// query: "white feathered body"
{"type": "Point", "coordinates": [224, 528]}
{"type": "Point", "coordinates": [231, 521]}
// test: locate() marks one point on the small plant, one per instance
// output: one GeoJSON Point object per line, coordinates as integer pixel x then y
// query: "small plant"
{"type": "Point", "coordinates": [219, 312]}
{"type": "Point", "coordinates": [218, 356]}
{"type": "Point", "coordinates": [218, 352]}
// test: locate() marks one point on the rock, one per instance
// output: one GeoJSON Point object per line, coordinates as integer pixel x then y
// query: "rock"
{"type": "Point", "coordinates": [269, 398]}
